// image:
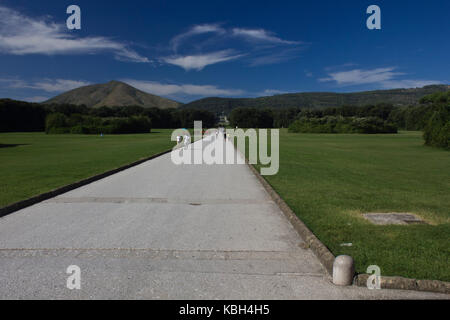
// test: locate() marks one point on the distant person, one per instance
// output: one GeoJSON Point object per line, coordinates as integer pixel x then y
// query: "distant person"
{"type": "Point", "coordinates": [187, 140]}
{"type": "Point", "coordinates": [179, 139]}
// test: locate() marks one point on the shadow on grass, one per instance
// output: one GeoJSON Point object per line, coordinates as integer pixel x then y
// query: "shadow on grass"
{"type": "Point", "coordinates": [11, 145]}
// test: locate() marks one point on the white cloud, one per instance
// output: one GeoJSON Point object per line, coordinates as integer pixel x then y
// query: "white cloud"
{"type": "Point", "coordinates": [200, 61]}
{"type": "Point", "coordinates": [58, 85]}
{"type": "Point", "coordinates": [260, 35]}
{"type": "Point", "coordinates": [48, 85]}
{"type": "Point", "coordinates": [13, 82]}
{"type": "Point", "coordinates": [22, 35]}
{"type": "Point", "coordinates": [36, 99]}
{"type": "Point", "coordinates": [196, 30]}
{"type": "Point", "coordinates": [275, 57]}
{"type": "Point", "coordinates": [163, 89]}
{"type": "Point", "coordinates": [384, 77]}
{"type": "Point", "coordinates": [260, 47]}
{"type": "Point", "coordinates": [271, 92]}
{"type": "Point", "coordinates": [358, 76]}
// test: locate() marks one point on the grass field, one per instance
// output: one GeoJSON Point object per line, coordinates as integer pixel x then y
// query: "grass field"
{"type": "Point", "coordinates": [34, 163]}
{"type": "Point", "coordinates": [330, 180]}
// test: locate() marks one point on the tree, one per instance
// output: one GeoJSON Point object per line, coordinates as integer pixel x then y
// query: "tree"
{"type": "Point", "coordinates": [56, 122]}
{"type": "Point", "coordinates": [21, 116]}
{"type": "Point", "coordinates": [437, 130]}
{"type": "Point", "coordinates": [251, 118]}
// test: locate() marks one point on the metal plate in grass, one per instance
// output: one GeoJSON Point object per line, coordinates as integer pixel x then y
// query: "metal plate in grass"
{"type": "Point", "coordinates": [393, 218]}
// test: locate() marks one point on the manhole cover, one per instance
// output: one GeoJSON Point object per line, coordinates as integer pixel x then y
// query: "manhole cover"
{"type": "Point", "coordinates": [393, 218]}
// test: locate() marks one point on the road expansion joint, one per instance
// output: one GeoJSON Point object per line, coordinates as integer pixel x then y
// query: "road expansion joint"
{"type": "Point", "coordinates": [151, 253]}
{"type": "Point", "coordinates": [128, 200]}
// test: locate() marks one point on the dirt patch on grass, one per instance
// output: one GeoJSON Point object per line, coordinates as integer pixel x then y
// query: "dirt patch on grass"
{"type": "Point", "coordinates": [397, 218]}
{"type": "Point", "coordinates": [393, 218]}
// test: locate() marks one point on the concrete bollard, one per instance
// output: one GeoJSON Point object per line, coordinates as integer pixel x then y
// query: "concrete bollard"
{"type": "Point", "coordinates": [343, 271]}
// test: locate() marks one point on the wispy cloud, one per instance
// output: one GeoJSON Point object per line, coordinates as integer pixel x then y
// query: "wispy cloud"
{"type": "Point", "coordinates": [23, 35]}
{"type": "Point", "coordinates": [386, 78]}
{"type": "Point", "coordinates": [358, 76]}
{"type": "Point", "coordinates": [35, 99]}
{"type": "Point", "coordinates": [274, 57]}
{"type": "Point", "coordinates": [58, 85]}
{"type": "Point", "coordinates": [260, 35]}
{"type": "Point", "coordinates": [173, 90]}
{"type": "Point", "coordinates": [12, 83]}
{"type": "Point", "coordinates": [220, 44]}
{"type": "Point", "coordinates": [47, 85]}
{"type": "Point", "coordinates": [271, 92]}
{"type": "Point", "coordinates": [195, 30]}
{"type": "Point", "coordinates": [200, 61]}
{"type": "Point", "coordinates": [340, 66]}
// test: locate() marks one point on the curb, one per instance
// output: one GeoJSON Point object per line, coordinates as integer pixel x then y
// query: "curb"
{"type": "Point", "coordinates": [48, 195]}
{"type": "Point", "coordinates": [327, 258]}
{"type": "Point", "coordinates": [400, 283]}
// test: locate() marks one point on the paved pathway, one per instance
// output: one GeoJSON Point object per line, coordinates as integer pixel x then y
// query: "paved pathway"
{"type": "Point", "coordinates": [160, 231]}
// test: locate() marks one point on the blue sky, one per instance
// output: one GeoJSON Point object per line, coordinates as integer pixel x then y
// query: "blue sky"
{"type": "Point", "coordinates": [187, 50]}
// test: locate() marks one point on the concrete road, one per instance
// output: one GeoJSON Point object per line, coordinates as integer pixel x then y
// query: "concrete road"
{"type": "Point", "coordinates": [161, 231]}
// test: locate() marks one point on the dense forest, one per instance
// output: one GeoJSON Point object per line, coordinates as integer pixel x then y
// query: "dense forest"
{"type": "Point", "coordinates": [347, 119]}
{"type": "Point", "coordinates": [317, 100]}
{"type": "Point", "coordinates": [437, 126]}
{"type": "Point", "coordinates": [340, 124]}
{"type": "Point", "coordinates": [284, 118]}
{"type": "Point", "coordinates": [16, 116]}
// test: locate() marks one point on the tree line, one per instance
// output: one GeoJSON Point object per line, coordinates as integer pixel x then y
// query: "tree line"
{"type": "Point", "coordinates": [263, 118]}
{"type": "Point", "coordinates": [432, 116]}
{"type": "Point", "coordinates": [19, 116]}
{"type": "Point", "coordinates": [369, 119]}
{"type": "Point", "coordinates": [340, 124]}
{"type": "Point", "coordinates": [283, 118]}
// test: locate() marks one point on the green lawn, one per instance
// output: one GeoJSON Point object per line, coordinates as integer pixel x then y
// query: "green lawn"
{"type": "Point", "coordinates": [34, 163]}
{"type": "Point", "coordinates": [329, 180]}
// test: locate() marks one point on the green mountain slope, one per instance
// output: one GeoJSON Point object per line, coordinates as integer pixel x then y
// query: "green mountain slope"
{"type": "Point", "coordinates": [112, 94]}
{"type": "Point", "coordinates": [318, 99]}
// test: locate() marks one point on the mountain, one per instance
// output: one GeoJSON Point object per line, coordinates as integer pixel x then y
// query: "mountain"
{"type": "Point", "coordinates": [318, 99]}
{"type": "Point", "coordinates": [112, 94]}
{"type": "Point", "coordinates": [115, 93]}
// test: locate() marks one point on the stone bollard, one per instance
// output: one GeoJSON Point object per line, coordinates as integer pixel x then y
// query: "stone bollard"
{"type": "Point", "coordinates": [343, 271]}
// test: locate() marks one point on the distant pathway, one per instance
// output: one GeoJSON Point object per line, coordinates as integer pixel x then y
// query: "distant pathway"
{"type": "Point", "coordinates": [160, 231]}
